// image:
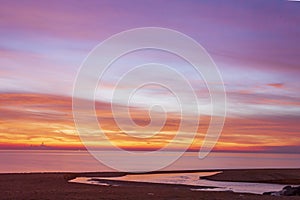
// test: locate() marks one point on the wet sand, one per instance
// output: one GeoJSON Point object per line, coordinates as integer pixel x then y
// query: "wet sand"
{"type": "Point", "coordinates": [56, 186]}
{"type": "Point", "coordinates": [280, 176]}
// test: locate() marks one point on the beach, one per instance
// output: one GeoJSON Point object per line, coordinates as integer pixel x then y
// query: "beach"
{"type": "Point", "coordinates": [57, 186]}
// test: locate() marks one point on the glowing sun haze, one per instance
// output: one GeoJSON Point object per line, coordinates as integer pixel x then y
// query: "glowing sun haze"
{"type": "Point", "coordinates": [255, 44]}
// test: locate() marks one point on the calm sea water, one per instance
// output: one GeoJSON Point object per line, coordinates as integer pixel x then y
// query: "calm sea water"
{"type": "Point", "coordinates": [82, 161]}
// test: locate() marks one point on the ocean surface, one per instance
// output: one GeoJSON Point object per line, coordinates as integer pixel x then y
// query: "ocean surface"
{"type": "Point", "coordinates": [12, 161]}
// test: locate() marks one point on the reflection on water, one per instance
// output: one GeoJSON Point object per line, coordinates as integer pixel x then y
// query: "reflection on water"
{"type": "Point", "coordinates": [82, 161]}
{"type": "Point", "coordinates": [89, 180]}
{"type": "Point", "coordinates": [190, 179]}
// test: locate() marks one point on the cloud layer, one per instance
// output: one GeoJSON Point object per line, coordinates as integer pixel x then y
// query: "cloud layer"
{"type": "Point", "coordinates": [254, 44]}
{"type": "Point", "coordinates": [33, 119]}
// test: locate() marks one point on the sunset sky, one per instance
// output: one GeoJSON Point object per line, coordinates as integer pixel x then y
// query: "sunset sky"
{"type": "Point", "coordinates": [255, 44]}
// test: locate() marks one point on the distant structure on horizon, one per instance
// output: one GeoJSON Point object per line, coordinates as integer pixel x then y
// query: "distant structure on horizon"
{"type": "Point", "coordinates": [41, 146]}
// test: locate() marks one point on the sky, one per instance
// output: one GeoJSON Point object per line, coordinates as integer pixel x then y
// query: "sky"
{"type": "Point", "coordinates": [255, 45]}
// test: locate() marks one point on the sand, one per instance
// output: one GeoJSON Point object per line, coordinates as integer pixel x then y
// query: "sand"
{"type": "Point", "coordinates": [56, 186]}
{"type": "Point", "coordinates": [280, 176]}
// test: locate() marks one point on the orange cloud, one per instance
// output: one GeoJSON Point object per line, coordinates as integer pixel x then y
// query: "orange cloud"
{"type": "Point", "coordinates": [276, 85]}
{"type": "Point", "coordinates": [32, 119]}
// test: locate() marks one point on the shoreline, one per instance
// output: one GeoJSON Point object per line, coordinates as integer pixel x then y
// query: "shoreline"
{"type": "Point", "coordinates": [277, 176]}
{"type": "Point", "coordinates": [258, 175]}
{"type": "Point", "coordinates": [56, 185]}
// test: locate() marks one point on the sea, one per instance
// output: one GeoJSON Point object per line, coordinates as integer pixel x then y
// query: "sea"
{"type": "Point", "coordinates": [23, 161]}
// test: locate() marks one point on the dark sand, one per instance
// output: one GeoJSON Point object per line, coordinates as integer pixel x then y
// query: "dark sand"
{"type": "Point", "coordinates": [280, 176]}
{"type": "Point", "coordinates": [56, 186]}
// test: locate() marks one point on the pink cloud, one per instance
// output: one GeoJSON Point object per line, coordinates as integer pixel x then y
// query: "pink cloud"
{"type": "Point", "coordinates": [276, 85]}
